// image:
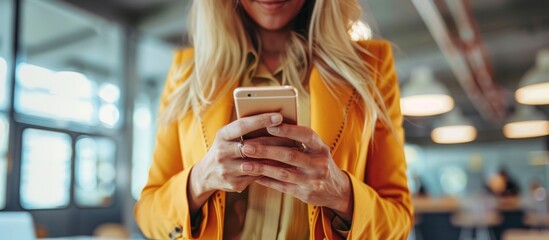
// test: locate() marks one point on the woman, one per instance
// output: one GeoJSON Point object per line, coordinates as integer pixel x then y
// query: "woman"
{"type": "Point", "coordinates": [348, 182]}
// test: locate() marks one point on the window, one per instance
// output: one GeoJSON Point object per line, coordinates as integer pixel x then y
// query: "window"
{"type": "Point", "coordinates": [71, 71]}
{"type": "Point", "coordinates": [453, 180]}
{"type": "Point", "coordinates": [45, 169]}
{"type": "Point", "coordinates": [95, 171]}
{"type": "Point", "coordinates": [6, 34]}
{"type": "Point", "coordinates": [153, 61]}
{"type": "Point", "coordinates": [413, 157]}
{"type": "Point", "coordinates": [59, 95]}
{"type": "Point", "coordinates": [3, 83]}
{"type": "Point", "coordinates": [69, 80]}
{"type": "Point", "coordinates": [3, 159]}
{"type": "Point", "coordinates": [143, 142]}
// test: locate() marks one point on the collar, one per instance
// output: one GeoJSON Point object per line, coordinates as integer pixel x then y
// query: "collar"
{"type": "Point", "coordinates": [253, 51]}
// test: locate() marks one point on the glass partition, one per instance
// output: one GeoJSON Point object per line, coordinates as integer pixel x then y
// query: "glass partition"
{"type": "Point", "coordinates": [6, 36]}
{"type": "Point", "coordinates": [4, 127]}
{"type": "Point", "coordinates": [153, 60]}
{"type": "Point", "coordinates": [45, 169]}
{"type": "Point", "coordinates": [71, 68]}
{"type": "Point", "coordinates": [95, 171]}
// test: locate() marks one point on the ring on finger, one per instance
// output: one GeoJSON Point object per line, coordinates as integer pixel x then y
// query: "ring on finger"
{"type": "Point", "coordinates": [239, 146]}
{"type": "Point", "coordinates": [303, 148]}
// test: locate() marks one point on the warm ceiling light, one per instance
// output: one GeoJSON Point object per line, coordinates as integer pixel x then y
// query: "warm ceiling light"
{"type": "Point", "coordinates": [360, 31]}
{"type": "Point", "coordinates": [527, 122]}
{"type": "Point", "coordinates": [454, 134]}
{"type": "Point", "coordinates": [426, 105]}
{"type": "Point", "coordinates": [454, 128]}
{"type": "Point", "coordinates": [533, 89]}
{"type": "Point", "coordinates": [424, 95]}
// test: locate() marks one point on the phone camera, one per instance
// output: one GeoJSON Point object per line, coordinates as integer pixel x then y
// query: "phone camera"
{"type": "Point", "coordinates": [249, 94]}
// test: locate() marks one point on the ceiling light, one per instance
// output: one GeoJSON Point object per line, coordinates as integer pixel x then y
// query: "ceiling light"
{"type": "Point", "coordinates": [360, 31]}
{"type": "Point", "coordinates": [424, 95]}
{"type": "Point", "coordinates": [533, 89]}
{"type": "Point", "coordinates": [454, 128]}
{"type": "Point", "coordinates": [527, 122]}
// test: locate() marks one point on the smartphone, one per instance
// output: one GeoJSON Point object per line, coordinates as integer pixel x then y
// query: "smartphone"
{"type": "Point", "coordinates": [251, 101]}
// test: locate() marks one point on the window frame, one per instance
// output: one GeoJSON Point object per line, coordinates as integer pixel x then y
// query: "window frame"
{"type": "Point", "coordinates": [75, 140]}
{"type": "Point", "coordinates": [70, 161]}
{"type": "Point", "coordinates": [9, 57]}
{"type": "Point", "coordinates": [5, 158]}
{"type": "Point", "coordinates": [119, 135]}
{"type": "Point", "coordinates": [74, 136]}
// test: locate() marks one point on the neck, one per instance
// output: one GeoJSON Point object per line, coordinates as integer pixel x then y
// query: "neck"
{"type": "Point", "coordinates": [273, 42]}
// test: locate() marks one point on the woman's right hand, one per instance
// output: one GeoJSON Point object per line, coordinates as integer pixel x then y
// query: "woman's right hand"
{"type": "Point", "coordinates": [220, 168]}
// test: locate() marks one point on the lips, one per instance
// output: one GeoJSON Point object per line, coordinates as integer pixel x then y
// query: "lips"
{"type": "Point", "coordinates": [272, 5]}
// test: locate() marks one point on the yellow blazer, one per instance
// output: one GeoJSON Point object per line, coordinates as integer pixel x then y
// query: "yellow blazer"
{"type": "Point", "coordinates": [377, 169]}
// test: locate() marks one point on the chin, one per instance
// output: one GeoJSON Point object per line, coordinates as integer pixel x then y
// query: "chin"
{"type": "Point", "coordinates": [273, 26]}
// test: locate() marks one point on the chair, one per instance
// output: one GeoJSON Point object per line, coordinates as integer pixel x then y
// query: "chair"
{"type": "Point", "coordinates": [476, 226]}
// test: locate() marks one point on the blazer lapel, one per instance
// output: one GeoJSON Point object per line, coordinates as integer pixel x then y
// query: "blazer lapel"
{"type": "Point", "coordinates": [327, 110]}
{"type": "Point", "coordinates": [217, 116]}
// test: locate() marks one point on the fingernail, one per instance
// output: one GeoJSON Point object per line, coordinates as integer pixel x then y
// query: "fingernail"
{"type": "Point", "coordinates": [276, 118]}
{"type": "Point", "coordinates": [273, 130]}
{"type": "Point", "coordinates": [246, 167]}
{"type": "Point", "coordinates": [248, 149]}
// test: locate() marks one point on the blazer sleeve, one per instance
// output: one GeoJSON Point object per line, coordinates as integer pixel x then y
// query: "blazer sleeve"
{"type": "Point", "coordinates": [382, 205]}
{"type": "Point", "coordinates": [162, 210]}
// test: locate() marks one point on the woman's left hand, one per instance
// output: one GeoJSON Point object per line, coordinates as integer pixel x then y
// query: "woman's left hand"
{"type": "Point", "coordinates": [309, 174]}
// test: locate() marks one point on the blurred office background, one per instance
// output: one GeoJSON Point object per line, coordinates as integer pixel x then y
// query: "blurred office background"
{"type": "Point", "coordinates": [80, 82]}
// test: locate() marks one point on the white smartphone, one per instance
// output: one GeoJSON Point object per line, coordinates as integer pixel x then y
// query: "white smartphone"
{"type": "Point", "coordinates": [251, 101]}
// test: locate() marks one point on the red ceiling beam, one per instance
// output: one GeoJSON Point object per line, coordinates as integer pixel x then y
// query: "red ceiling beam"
{"type": "Point", "coordinates": [466, 55]}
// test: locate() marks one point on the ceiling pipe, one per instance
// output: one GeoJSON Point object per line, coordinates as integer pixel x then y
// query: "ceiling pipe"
{"type": "Point", "coordinates": [466, 58]}
{"type": "Point", "coordinates": [473, 47]}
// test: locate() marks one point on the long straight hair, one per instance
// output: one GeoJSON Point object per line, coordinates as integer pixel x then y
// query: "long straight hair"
{"type": "Point", "coordinates": [220, 33]}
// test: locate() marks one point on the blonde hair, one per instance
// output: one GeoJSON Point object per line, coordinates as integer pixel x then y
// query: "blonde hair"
{"type": "Point", "coordinates": [220, 33]}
